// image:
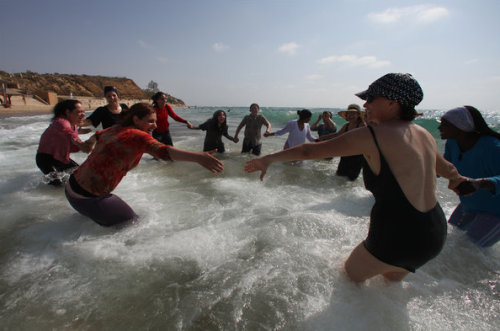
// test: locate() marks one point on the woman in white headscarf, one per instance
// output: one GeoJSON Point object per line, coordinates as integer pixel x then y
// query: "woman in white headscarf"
{"type": "Point", "coordinates": [474, 149]}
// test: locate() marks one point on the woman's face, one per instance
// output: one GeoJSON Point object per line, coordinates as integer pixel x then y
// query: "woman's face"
{"type": "Point", "coordinates": [377, 107]}
{"type": "Point", "coordinates": [111, 97]}
{"type": "Point", "coordinates": [221, 118]}
{"type": "Point", "coordinates": [162, 100]}
{"type": "Point", "coordinates": [76, 116]}
{"type": "Point", "coordinates": [147, 123]}
{"type": "Point", "coordinates": [352, 115]}
{"type": "Point", "coordinates": [448, 130]}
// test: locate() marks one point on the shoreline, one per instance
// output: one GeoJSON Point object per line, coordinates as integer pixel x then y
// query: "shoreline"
{"type": "Point", "coordinates": [25, 110]}
{"type": "Point", "coordinates": [35, 110]}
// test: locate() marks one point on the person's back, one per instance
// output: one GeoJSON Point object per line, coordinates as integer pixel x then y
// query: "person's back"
{"type": "Point", "coordinates": [410, 152]}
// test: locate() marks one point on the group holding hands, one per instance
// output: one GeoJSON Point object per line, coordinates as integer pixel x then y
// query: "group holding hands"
{"type": "Point", "coordinates": [400, 163]}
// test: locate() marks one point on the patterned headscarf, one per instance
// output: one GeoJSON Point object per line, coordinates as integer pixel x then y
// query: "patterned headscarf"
{"type": "Point", "coordinates": [399, 87]}
{"type": "Point", "coordinates": [461, 118]}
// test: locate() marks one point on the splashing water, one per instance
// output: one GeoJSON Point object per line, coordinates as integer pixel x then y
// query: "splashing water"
{"type": "Point", "coordinates": [219, 251]}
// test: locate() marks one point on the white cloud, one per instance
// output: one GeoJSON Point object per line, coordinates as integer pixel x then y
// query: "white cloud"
{"type": "Point", "coordinates": [432, 14]}
{"type": "Point", "coordinates": [162, 59]}
{"type": "Point", "coordinates": [422, 13]}
{"type": "Point", "coordinates": [290, 48]}
{"type": "Point", "coordinates": [313, 77]}
{"type": "Point", "coordinates": [143, 44]}
{"type": "Point", "coordinates": [355, 61]}
{"type": "Point", "coordinates": [471, 61]}
{"type": "Point", "coordinates": [220, 47]}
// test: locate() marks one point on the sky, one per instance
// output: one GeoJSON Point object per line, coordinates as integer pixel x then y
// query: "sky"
{"type": "Point", "coordinates": [277, 53]}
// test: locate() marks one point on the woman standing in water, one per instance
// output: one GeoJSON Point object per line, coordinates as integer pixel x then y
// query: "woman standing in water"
{"type": "Point", "coordinates": [253, 124]}
{"type": "Point", "coordinates": [118, 150]}
{"type": "Point", "coordinates": [298, 130]}
{"type": "Point", "coordinates": [216, 127]}
{"type": "Point", "coordinates": [349, 166]}
{"type": "Point", "coordinates": [328, 126]}
{"type": "Point", "coordinates": [163, 111]}
{"type": "Point", "coordinates": [60, 139]}
{"type": "Point", "coordinates": [407, 224]}
{"type": "Point", "coordinates": [108, 115]}
{"type": "Point", "coordinates": [474, 149]}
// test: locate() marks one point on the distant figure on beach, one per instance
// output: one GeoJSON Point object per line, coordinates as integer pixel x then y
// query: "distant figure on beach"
{"type": "Point", "coordinates": [163, 111]}
{"type": "Point", "coordinates": [108, 115]}
{"type": "Point", "coordinates": [349, 166]}
{"type": "Point", "coordinates": [407, 224]}
{"type": "Point", "coordinates": [474, 149]}
{"type": "Point", "coordinates": [298, 130]}
{"type": "Point", "coordinates": [253, 124]}
{"type": "Point", "coordinates": [216, 127]}
{"type": "Point", "coordinates": [60, 139]}
{"type": "Point", "coordinates": [328, 126]}
{"type": "Point", "coordinates": [118, 150]}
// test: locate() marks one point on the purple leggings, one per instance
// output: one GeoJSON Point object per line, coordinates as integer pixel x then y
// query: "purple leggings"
{"type": "Point", "coordinates": [483, 229]}
{"type": "Point", "coordinates": [106, 210]}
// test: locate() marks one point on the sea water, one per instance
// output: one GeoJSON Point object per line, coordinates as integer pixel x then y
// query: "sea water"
{"type": "Point", "coordinates": [221, 251]}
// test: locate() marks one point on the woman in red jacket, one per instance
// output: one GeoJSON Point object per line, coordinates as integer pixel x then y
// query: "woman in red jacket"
{"type": "Point", "coordinates": [163, 110]}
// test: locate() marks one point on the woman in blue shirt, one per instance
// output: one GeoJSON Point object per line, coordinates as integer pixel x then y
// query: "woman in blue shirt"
{"type": "Point", "coordinates": [474, 149]}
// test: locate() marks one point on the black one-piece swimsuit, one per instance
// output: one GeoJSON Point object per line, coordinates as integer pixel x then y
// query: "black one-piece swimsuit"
{"type": "Point", "coordinates": [399, 234]}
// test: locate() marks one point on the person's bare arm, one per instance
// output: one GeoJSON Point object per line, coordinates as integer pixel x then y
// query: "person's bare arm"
{"type": "Point", "coordinates": [205, 159]}
{"type": "Point", "coordinates": [86, 146]}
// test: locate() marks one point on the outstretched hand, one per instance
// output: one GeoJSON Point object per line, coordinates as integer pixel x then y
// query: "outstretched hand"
{"type": "Point", "coordinates": [211, 163]}
{"type": "Point", "coordinates": [257, 164]}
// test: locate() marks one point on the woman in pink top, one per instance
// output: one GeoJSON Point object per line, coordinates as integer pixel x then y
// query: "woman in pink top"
{"type": "Point", "coordinates": [118, 150]}
{"type": "Point", "coordinates": [60, 139]}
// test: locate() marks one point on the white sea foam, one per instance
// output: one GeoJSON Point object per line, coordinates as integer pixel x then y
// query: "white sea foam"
{"type": "Point", "coordinates": [218, 251]}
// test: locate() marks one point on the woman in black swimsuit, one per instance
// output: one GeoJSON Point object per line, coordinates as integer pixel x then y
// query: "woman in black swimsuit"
{"type": "Point", "coordinates": [349, 166]}
{"type": "Point", "coordinates": [407, 225]}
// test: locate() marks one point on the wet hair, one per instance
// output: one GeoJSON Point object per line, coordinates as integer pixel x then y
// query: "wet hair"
{"type": "Point", "coordinates": [304, 114]}
{"type": "Point", "coordinates": [61, 107]}
{"type": "Point", "coordinates": [157, 96]}
{"type": "Point", "coordinates": [480, 124]}
{"type": "Point", "coordinates": [215, 120]}
{"type": "Point", "coordinates": [139, 109]}
{"type": "Point", "coordinates": [254, 104]}
{"type": "Point", "coordinates": [408, 113]}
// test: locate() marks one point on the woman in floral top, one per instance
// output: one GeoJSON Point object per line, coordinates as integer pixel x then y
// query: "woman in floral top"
{"type": "Point", "coordinates": [118, 150]}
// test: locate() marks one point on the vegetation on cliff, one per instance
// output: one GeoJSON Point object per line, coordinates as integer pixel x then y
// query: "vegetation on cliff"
{"type": "Point", "coordinates": [77, 85]}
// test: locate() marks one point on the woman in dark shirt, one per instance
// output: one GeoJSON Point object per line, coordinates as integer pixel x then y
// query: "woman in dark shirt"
{"type": "Point", "coordinates": [108, 115]}
{"type": "Point", "coordinates": [216, 127]}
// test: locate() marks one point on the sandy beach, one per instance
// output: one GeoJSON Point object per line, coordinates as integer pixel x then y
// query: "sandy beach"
{"type": "Point", "coordinates": [33, 108]}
